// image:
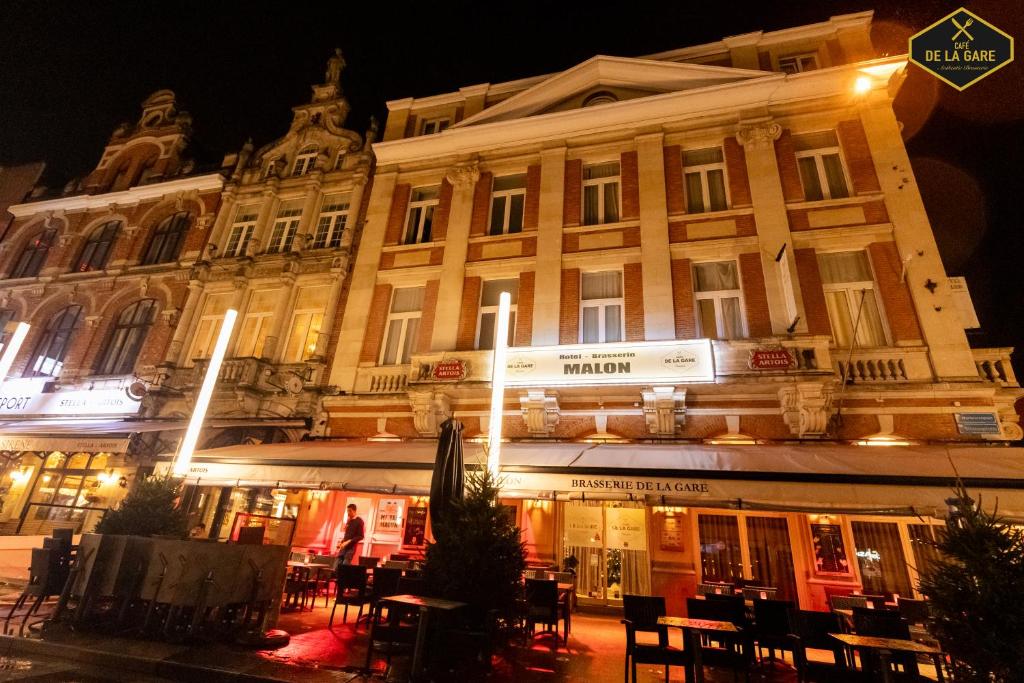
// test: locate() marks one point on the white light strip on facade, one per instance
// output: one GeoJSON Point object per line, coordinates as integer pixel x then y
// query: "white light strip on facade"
{"type": "Point", "coordinates": [11, 350]}
{"type": "Point", "coordinates": [195, 425]}
{"type": "Point", "coordinates": [498, 384]}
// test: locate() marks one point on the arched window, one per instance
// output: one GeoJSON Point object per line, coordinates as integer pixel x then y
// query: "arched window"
{"type": "Point", "coordinates": [165, 244]}
{"type": "Point", "coordinates": [305, 161]}
{"type": "Point", "coordinates": [6, 316]}
{"type": "Point", "coordinates": [97, 248]}
{"type": "Point", "coordinates": [33, 256]}
{"type": "Point", "coordinates": [48, 356]}
{"type": "Point", "coordinates": [127, 338]}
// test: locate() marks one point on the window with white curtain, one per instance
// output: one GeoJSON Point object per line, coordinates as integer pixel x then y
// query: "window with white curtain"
{"type": "Point", "coordinates": [282, 234]}
{"type": "Point", "coordinates": [719, 300]}
{"type": "Point", "coordinates": [305, 160]}
{"type": "Point", "coordinates": [821, 166]}
{"type": "Point", "coordinates": [601, 193]}
{"type": "Point", "coordinates": [422, 203]}
{"type": "Point", "coordinates": [331, 224]}
{"type": "Point", "coordinates": [508, 197]}
{"type": "Point", "coordinates": [704, 172]}
{"type": "Point", "coordinates": [403, 325]}
{"type": "Point", "coordinates": [214, 308]}
{"type": "Point", "coordinates": [601, 306]}
{"type": "Point", "coordinates": [259, 318]}
{"type": "Point", "coordinates": [431, 126]}
{"type": "Point", "coordinates": [794, 64]}
{"type": "Point", "coordinates": [307, 320]}
{"type": "Point", "coordinates": [241, 231]}
{"type": "Point", "coordinates": [852, 302]}
{"type": "Point", "coordinates": [487, 321]}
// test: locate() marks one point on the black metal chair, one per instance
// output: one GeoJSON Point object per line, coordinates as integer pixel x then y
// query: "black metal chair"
{"type": "Point", "coordinates": [886, 623]}
{"type": "Point", "coordinates": [352, 590]}
{"type": "Point", "coordinates": [641, 616]}
{"type": "Point", "coordinates": [386, 582]}
{"type": "Point", "coordinates": [759, 593]}
{"type": "Point", "coordinates": [913, 611]}
{"type": "Point", "coordinates": [772, 628]}
{"type": "Point", "coordinates": [848, 601]}
{"type": "Point", "coordinates": [714, 588]}
{"type": "Point", "coordinates": [44, 581]}
{"type": "Point", "coordinates": [370, 562]}
{"type": "Point", "coordinates": [811, 632]}
{"type": "Point", "coordinates": [732, 651]}
{"type": "Point", "coordinates": [412, 585]}
{"type": "Point", "coordinates": [542, 606]}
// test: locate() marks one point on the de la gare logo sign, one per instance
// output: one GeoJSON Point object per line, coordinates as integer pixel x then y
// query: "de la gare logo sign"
{"type": "Point", "coordinates": [961, 49]}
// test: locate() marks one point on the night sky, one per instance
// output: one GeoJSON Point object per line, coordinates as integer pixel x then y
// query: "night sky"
{"type": "Point", "coordinates": [70, 72]}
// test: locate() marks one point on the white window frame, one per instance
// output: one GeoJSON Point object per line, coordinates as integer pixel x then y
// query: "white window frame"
{"type": "Point", "coordinates": [483, 310]}
{"type": "Point", "coordinates": [797, 61]}
{"type": "Point", "coordinates": [703, 170]}
{"type": "Point", "coordinates": [434, 125]}
{"type": "Point", "coordinates": [282, 233]}
{"type": "Point", "coordinates": [241, 234]}
{"type": "Point", "coordinates": [600, 183]}
{"type": "Point", "coordinates": [852, 291]}
{"type": "Point", "coordinates": [425, 205]}
{"type": "Point", "coordinates": [312, 312]}
{"type": "Point", "coordinates": [304, 161]}
{"type": "Point", "coordinates": [265, 323]}
{"type": "Point", "coordinates": [602, 306]}
{"type": "Point", "coordinates": [210, 338]}
{"type": "Point", "coordinates": [330, 225]}
{"type": "Point", "coordinates": [819, 165]}
{"type": "Point", "coordinates": [401, 319]}
{"type": "Point", "coordinates": [508, 195]}
{"type": "Point", "coordinates": [717, 296]}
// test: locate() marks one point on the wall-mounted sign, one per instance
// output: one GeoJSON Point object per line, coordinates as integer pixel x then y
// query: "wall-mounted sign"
{"type": "Point", "coordinates": [65, 445]}
{"type": "Point", "coordinates": [673, 533]}
{"type": "Point", "coordinates": [449, 370]}
{"type": "Point", "coordinates": [583, 526]}
{"type": "Point", "coordinates": [829, 549]}
{"type": "Point", "coordinates": [637, 486]}
{"type": "Point", "coordinates": [771, 359]}
{"type": "Point", "coordinates": [415, 532]}
{"type": "Point", "coordinates": [626, 528]}
{"type": "Point", "coordinates": [390, 512]}
{"type": "Point", "coordinates": [25, 396]}
{"type": "Point", "coordinates": [627, 363]}
{"type": "Point", "coordinates": [978, 423]}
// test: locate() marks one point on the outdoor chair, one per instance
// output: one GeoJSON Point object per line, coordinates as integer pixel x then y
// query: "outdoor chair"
{"type": "Point", "coordinates": [542, 606]}
{"type": "Point", "coordinates": [641, 614]}
{"type": "Point", "coordinates": [412, 585]}
{"type": "Point", "coordinates": [712, 588]}
{"type": "Point", "coordinates": [43, 582]}
{"type": "Point", "coordinates": [886, 624]}
{"type": "Point", "coordinates": [759, 593]}
{"type": "Point", "coordinates": [916, 614]}
{"type": "Point", "coordinates": [398, 564]}
{"type": "Point", "coordinates": [300, 585]}
{"type": "Point", "coordinates": [811, 632]}
{"type": "Point", "coordinates": [399, 557]}
{"type": "Point", "coordinates": [369, 562]}
{"type": "Point", "coordinates": [848, 601]}
{"type": "Point", "coordinates": [877, 601]}
{"type": "Point", "coordinates": [351, 590]}
{"type": "Point", "coordinates": [732, 651]}
{"type": "Point", "coordinates": [386, 582]}
{"type": "Point", "coordinates": [772, 628]}
{"type": "Point", "coordinates": [396, 632]}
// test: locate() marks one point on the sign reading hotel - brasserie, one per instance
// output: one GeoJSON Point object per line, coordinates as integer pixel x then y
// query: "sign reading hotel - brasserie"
{"type": "Point", "coordinates": [625, 363]}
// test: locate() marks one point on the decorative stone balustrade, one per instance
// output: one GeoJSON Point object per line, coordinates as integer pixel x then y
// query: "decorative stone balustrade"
{"type": "Point", "coordinates": [994, 366]}
{"type": "Point", "coordinates": [883, 366]}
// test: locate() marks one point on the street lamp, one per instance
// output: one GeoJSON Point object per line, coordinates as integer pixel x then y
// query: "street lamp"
{"type": "Point", "coordinates": [498, 384]}
{"type": "Point", "coordinates": [195, 425]}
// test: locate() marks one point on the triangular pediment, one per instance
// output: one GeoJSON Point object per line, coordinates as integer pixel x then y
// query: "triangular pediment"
{"type": "Point", "coordinates": [621, 77]}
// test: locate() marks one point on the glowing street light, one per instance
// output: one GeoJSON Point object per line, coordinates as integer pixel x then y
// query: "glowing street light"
{"type": "Point", "coordinates": [195, 425]}
{"type": "Point", "coordinates": [11, 350]}
{"type": "Point", "coordinates": [498, 384]}
{"type": "Point", "coordinates": [862, 85]}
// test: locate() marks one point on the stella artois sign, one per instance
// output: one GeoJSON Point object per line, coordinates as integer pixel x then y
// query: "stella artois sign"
{"type": "Point", "coordinates": [771, 359]}
{"type": "Point", "coordinates": [449, 370]}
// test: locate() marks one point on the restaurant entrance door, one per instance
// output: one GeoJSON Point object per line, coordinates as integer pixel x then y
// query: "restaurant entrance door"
{"type": "Point", "coordinates": [745, 549]}
{"type": "Point", "coordinates": [609, 542]}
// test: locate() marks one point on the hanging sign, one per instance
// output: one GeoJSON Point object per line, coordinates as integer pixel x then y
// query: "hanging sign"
{"type": "Point", "coordinates": [583, 526]}
{"type": "Point", "coordinates": [625, 363]}
{"type": "Point", "coordinates": [626, 528]}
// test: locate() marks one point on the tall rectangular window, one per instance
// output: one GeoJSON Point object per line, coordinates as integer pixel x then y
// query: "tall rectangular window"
{"type": "Point", "coordinates": [403, 325]}
{"type": "Point", "coordinates": [431, 126]}
{"type": "Point", "coordinates": [214, 309]}
{"type": "Point", "coordinates": [488, 319]}
{"type": "Point", "coordinates": [422, 203]}
{"type": "Point", "coordinates": [282, 235]}
{"type": "Point", "coordinates": [721, 556]}
{"type": "Point", "coordinates": [821, 166]}
{"type": "Point", "coordinates": [331, 224]}
{"type": "Point", "coordinates": [601, 193]}
{"type": "Point", "coordinates": [259, 318]}
{"type": "Point", "coordinates": [704, 172]}
{"type": "Point", "coordinates": [718, 294]}
{"type": "Point", "coordinates": [307, 320]}
{"type": "Point", "coordinates": [883, 566]}
{"type": "Point", "coordinates": [601, 306]}
{"type": "Point", "coordinates": [241, 231]}
{"type": "Point", "coordinates": [851, 300]}
{"type": "Point", "coordinates": [508, 197]}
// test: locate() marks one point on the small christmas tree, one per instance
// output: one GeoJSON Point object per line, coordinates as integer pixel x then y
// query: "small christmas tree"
{"type": "Point", "coordinates": [976, 593]}
{"type": "Point", "coordinates": [478, 557]}
{"type": "Point", "coordinates": [151, 509]}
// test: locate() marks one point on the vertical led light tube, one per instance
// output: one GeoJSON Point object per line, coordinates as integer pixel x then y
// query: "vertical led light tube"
{"type": "Point", "coordinates": [498, 384]}
{"type": "Point", "coordinates": [11, 350]}
{"type": "Point", "coordinates": [195, 425]}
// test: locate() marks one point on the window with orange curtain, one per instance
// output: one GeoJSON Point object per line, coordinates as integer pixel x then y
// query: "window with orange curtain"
{"type": "Point", "coordinates": [883, 567]}
{"type": "Point", "coordinates": [771, 556]}
{"type": "Point", "coordinates": [721, 558]}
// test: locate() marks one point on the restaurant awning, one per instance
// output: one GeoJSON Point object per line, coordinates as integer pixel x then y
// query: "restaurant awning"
{"type": "Point", "coordinates": [799, 476]}
{"type": "Point", "coordinates": [106, 426]}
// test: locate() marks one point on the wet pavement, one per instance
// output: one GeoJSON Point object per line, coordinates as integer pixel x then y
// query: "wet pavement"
{"type": "Point", "coordinates": [41, 669]}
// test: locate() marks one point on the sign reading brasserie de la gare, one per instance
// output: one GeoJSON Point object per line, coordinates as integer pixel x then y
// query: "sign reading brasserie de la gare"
{"type": "Point", "coordinates": [623, 363]}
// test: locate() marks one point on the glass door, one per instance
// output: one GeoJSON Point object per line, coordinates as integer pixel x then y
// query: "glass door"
{"type": "Point", "coordinates": [747, 550]}
{"type": "Point", "coordinates": [609, 542]}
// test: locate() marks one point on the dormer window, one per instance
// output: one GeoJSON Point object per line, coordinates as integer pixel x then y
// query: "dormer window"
{"type": "Point", "coordinates": [794, 64]}
{"type": "Point", "coordinates": [305, 161]}
{"type": "Point", "coordinates": [431, 126]}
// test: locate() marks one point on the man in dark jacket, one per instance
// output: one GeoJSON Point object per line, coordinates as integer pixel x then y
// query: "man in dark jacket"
{"type": "Point", "coordinates": [354, 530]}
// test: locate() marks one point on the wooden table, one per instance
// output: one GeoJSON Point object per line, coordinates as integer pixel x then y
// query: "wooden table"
{"type": "Point", "coordinates": [425, 606]}
{"type": "Point", "coordinates": [886, 646]}
{"type": "Point", "coordinates": [690, 627]}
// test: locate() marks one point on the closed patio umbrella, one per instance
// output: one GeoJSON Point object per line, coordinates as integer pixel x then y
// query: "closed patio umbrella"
{"type": "Point", "coordinates": [446, 484]}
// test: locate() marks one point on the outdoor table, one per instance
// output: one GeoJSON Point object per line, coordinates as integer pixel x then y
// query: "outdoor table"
{"type": "Point", "coordinates": [315, 574]}
{"type": "Point", "coordinates": [425, 606]}
{"type": "Point", "coordinates": [689, 627]}
{"type": "Point", "coordinates": [885, 646]}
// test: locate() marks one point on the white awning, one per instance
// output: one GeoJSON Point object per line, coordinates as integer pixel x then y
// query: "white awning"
{"type": "Point", "coordinates": [825, 476]}
{"type": "Point", "coordinates": [103, 426]}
